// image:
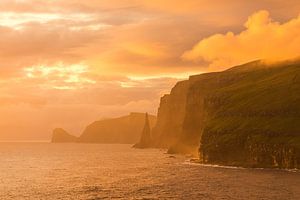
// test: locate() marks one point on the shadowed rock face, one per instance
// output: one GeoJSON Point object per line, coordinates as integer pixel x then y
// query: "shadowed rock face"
{"type": "Point", "coordinates": [146, 140]}
{"type": "Point", "coordinates": [126, 129]}
{"type": "Point", "coordinates": [248, 115]}
{"type": "Point", "coordinates": [61, 136]}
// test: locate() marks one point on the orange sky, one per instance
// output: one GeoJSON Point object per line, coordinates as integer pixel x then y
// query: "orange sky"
{"type": "Point", "coordinates": [65, 63]}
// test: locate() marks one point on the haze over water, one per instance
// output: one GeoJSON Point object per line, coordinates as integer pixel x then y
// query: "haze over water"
{"type": "Point", "coordinates": [94, 171]}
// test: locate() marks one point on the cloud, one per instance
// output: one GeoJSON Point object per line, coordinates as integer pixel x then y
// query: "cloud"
{"type": "Point", "coordinates": [110, 34]}
{"type": "Point", "coordinates": [262, 39]}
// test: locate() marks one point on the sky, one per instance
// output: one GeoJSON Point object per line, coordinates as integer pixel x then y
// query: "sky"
{"type": "Point", "coordinates": [67, 63]}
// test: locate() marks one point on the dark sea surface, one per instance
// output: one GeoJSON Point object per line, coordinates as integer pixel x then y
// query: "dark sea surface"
{"type": "Point", "coordinates": [92, 171]}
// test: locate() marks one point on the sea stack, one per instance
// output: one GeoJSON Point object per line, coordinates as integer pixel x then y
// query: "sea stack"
{"type": "Point", "coordinates": [145, 141]}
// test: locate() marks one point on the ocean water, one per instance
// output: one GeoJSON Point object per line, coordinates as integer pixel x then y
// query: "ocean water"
{"type": "Point", "coordinates": [92, 171]}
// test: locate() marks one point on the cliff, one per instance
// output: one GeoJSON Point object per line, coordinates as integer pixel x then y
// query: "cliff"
{"type": "Point", "coordinates": [170, 116]}
{"type": "Point", "coordinates": [248, 115]}
{"type": "Point", "coordinates": [61, 136]}
{"type": "Point", "coordinates": [126, 129]}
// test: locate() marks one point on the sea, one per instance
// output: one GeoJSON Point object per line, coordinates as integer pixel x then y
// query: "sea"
{"type": "Point", "coordinates": [101, 171]}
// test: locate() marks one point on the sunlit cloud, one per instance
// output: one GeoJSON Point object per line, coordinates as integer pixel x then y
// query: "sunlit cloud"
{"type": "Point", "coordinates": [262, 39]}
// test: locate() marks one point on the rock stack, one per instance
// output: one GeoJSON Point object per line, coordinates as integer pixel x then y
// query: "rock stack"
{"type": "Point", "coordinates": [145, 141]}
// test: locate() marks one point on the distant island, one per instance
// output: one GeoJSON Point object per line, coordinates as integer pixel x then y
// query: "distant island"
{"type": "Point", "coordinates": [123, 130]}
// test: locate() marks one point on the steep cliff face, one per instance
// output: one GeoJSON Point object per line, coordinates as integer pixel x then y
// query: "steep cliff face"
{"type": "Point", "coordinates": [248, 115]}
{"type": "Point", "coordinates": [170, 116]}
{"type": "Point", "coordinates": [61, 136]}
{"type": "Point", "coordinates": [126, 129]}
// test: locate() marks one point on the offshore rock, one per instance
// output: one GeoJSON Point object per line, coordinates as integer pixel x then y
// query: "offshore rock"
{"type": "Point", "coordinates": [145, 141]}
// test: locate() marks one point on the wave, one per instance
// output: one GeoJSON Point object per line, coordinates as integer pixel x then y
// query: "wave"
{"type": "Point", "coordinates": [195, 162]}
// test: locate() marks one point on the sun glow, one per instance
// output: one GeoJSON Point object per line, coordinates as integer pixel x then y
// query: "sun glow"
{"type": "Point", "coordinates": [61, 76]}
{"type": "Point", "coordinates": [59, 68]}
{"type": "Point", "coordinates": [18, 20]}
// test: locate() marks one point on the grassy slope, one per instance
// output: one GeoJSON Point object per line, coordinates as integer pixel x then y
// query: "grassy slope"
{"type": "Point", "coordinates": [263, 103]}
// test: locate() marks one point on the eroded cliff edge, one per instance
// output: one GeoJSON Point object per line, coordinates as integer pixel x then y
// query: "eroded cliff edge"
{"type": "Point", "coordinates": [59, 135]}
{"type": "Point", "coordinates": [248, 115]}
